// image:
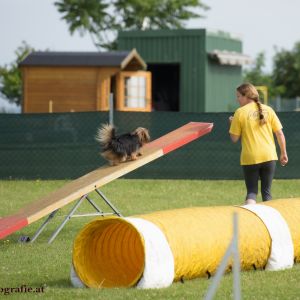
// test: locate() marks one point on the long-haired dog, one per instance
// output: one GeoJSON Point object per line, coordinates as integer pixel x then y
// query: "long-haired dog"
{"type": "Point", "coordinates": [120, 148]}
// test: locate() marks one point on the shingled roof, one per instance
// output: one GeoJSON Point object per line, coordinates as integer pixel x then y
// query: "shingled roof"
{"type": "Point", "coordinates": [93, 59]}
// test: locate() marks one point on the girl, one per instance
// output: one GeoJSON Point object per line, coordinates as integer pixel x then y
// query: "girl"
{"type": "Point", "coordinates": [255, 123]}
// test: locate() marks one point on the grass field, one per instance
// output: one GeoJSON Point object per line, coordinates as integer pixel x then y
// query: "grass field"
{"type": "Point", "coordinates": [47, 267]}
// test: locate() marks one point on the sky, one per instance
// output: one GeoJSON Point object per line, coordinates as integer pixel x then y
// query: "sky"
{"type": "Point", "coordinates": [261, 25]}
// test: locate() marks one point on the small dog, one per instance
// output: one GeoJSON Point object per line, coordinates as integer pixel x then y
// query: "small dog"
{"type": "Point", "coordinates": [117, 149]}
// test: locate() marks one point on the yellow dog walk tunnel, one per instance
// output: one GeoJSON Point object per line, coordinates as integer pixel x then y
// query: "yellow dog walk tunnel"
{"type": "Point", "coordinates": [153, 250]}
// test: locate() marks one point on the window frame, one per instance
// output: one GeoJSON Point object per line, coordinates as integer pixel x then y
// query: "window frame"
{"type": "Point", "coordinates": [121, 97]}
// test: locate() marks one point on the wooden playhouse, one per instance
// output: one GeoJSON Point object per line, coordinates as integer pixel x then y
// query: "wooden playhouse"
{"type": "Point", "coordinates": [83, 81]}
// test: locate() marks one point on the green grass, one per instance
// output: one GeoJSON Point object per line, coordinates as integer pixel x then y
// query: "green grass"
{"type": "Point", "coordinates": [40, 264]}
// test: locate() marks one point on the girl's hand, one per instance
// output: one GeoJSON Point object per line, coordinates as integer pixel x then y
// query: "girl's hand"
{"type": "Point", "coordinates": [283, 159]}
{"type": "Point", "coordinates": [230, 119]}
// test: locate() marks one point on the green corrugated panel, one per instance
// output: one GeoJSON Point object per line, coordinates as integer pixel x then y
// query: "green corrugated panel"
{"type": "Point", "coordinates": [221, 81]}
{"type": "Point", "coordinates": [184, 47]}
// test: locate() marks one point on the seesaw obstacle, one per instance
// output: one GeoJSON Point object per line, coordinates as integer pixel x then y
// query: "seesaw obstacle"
{"type": "Point", "coordinates": [153, 250]}
{"type": "Point", "coordinates": [90, 182]}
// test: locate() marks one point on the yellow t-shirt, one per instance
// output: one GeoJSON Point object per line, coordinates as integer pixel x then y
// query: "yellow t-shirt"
{"type": "Point", "coordinates": [257, 140]}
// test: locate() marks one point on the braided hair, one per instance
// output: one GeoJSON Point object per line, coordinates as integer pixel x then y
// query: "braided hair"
{"type": "Point", "coordinates": [248, 90]}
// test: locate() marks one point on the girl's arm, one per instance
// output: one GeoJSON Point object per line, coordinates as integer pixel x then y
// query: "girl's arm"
{"type": "Point", "coordinates": [282, 144]}
{"type": "Point", "coordinates": [234, 138]}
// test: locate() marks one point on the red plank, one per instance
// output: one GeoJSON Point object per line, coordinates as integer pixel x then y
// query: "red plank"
{"type": "Point", "coordinates": [199, 130]}
{"type": "Point", "coordinates": [11, 224]}
{"type": "Point", "coordinates": [181, 136]}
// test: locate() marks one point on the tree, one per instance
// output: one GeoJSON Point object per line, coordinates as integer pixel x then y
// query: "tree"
{"type": "Point", "coordinates": [258, 77]}
{"type": "Point", "coordinates": [10, 76]}
{"type": "Point", "coordinates": [89, 16]}
{"type": "Point", "coordinates": [255, 75]}
{"type": "Point", "coordinates": [286, 72]}
{"type": "Point", "coordinates": [103, 18]}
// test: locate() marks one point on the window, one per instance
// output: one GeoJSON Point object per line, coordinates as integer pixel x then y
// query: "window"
{"type": "Point", "coordinates": [134, 91]}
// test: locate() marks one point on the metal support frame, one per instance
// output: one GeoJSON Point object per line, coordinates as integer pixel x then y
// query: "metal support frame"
{"type": "Point", "coordinates": [108, 202]}
{"type": "Point", "coordinates": [71, 214]}
{"type": "Point", "coordinates": [233, 251]}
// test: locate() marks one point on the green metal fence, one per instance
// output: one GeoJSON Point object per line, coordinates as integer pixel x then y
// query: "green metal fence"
{"type": "Point", "coordinates": [61, 146]}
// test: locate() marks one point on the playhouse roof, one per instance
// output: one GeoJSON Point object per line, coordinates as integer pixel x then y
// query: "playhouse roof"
{"type": "Point", "coordinates": [83, 59]}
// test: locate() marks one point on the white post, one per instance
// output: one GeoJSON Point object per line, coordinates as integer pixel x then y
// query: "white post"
{"type": "Point", "coordinates": [232, 250]}
{"type": "Point", "coordinates": [111, 109]}
{"type": "Point", "coordinates": [236, 260]}
{"type": "Point", "coordinates": [297, 103]}
{"type": "Point", "coordinates": [50, 106]}
{"type": "Point", "coordinates": [278, 103]}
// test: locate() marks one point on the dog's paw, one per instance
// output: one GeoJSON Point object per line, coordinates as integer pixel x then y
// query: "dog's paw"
{"type": "Point", "coordinates": [133, 156]}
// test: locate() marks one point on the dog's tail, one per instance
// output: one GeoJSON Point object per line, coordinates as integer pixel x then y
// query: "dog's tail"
{"type": "Point", "coordinates": [105, 135]}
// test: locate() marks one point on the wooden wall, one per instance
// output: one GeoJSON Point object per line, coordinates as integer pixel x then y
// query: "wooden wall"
{"type": "Point", "coordinates": [67, 88]}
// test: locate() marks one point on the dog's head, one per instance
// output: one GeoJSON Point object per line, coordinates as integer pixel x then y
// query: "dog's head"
{"type": "Point", "coordinates": [143, 135]}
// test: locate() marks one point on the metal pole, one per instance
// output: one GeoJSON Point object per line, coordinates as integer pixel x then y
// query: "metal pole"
{"type": "Point", "coordinates": [94, 205]}
{"type": "Point", "coordinates": [93, 215]}
{"type": "Point", "coordinates": [69, 216]}
{"type": "Point", "coordinates": [111, 109]}
{"type": "Point", "coordinates": [108, 203]}
{"type": "Point", "coordinates": [39, 231]}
